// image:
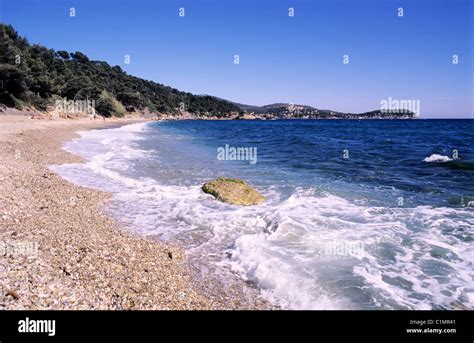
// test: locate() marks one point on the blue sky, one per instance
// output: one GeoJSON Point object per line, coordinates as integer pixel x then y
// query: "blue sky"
{"type": "Point", "coordinates": [282, 59]}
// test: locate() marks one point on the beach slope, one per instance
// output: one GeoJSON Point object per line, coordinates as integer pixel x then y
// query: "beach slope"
{"type": "Point", "coordinates": [58, 250]}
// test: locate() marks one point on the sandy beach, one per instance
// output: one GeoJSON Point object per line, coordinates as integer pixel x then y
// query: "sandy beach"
{"type": "Point", "coordinates": [59, 250]}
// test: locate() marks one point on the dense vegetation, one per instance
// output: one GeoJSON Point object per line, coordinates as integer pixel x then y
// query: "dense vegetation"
{"type": "Point", "coordinates": [32, 75]}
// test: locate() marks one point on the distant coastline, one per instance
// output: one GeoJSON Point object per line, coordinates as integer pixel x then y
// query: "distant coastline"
{"type": "Point", "coordinates": [52, 113]}
{"type": "Point", "coordinates": [69, 84]}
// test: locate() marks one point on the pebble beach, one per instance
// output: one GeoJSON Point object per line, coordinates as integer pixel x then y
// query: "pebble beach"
{"type": "Point", "coordinates": [60, 251]}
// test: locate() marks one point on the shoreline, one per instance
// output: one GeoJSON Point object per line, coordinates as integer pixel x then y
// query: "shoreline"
{"type": "Point", "coordinates": [61, 251]}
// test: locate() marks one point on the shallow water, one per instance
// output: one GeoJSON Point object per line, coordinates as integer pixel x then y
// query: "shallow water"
{"type": "Point", "coordinates": [359, 214]}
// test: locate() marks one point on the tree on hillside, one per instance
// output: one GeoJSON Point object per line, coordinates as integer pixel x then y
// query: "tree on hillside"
{"type": "Point", "coordinates": [35, 75]}
{"type": "Point", "coordinates": [63, 54]}
{"type": "Point", "coordinates": [12, 85]}
{"type": "Point", "coordinates": [108, 106]}
{"type": "Point", "coordinates": [79, 57]}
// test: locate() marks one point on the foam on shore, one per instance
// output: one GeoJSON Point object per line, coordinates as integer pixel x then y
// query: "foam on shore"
{"type": "Point", "coordinates": [312, 250]}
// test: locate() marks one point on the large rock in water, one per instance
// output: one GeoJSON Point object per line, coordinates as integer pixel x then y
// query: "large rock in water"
{"type": "Point", "coordinates": [233, 191]}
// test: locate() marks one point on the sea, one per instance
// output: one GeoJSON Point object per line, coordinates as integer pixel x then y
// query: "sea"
{"type": "Point", "coordinates": [369, 214]}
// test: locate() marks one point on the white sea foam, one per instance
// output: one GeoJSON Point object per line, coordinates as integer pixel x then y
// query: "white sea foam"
{"type": "Point", "coordinates": [299, 250]}
{"type": "Point", "coordinates": [437, 158]}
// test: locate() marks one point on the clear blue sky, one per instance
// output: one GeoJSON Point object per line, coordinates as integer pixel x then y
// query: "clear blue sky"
{"type": "Point", "coordinates": [282, 59]}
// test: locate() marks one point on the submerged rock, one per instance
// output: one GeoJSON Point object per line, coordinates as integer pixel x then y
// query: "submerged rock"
{"type": "Point", "coordinates": [233, 191]}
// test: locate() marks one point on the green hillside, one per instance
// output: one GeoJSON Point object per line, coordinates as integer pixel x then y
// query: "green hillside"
{"type": "Point", "coordinates": [33, 75]}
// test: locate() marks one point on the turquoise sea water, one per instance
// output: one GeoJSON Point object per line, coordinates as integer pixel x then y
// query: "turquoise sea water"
{"type": "Point", "coordinates": [359, 214]}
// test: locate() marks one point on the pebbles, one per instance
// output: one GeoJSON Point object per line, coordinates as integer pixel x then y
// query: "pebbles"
{"type": "Point", "coordinates": [84, 260]}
